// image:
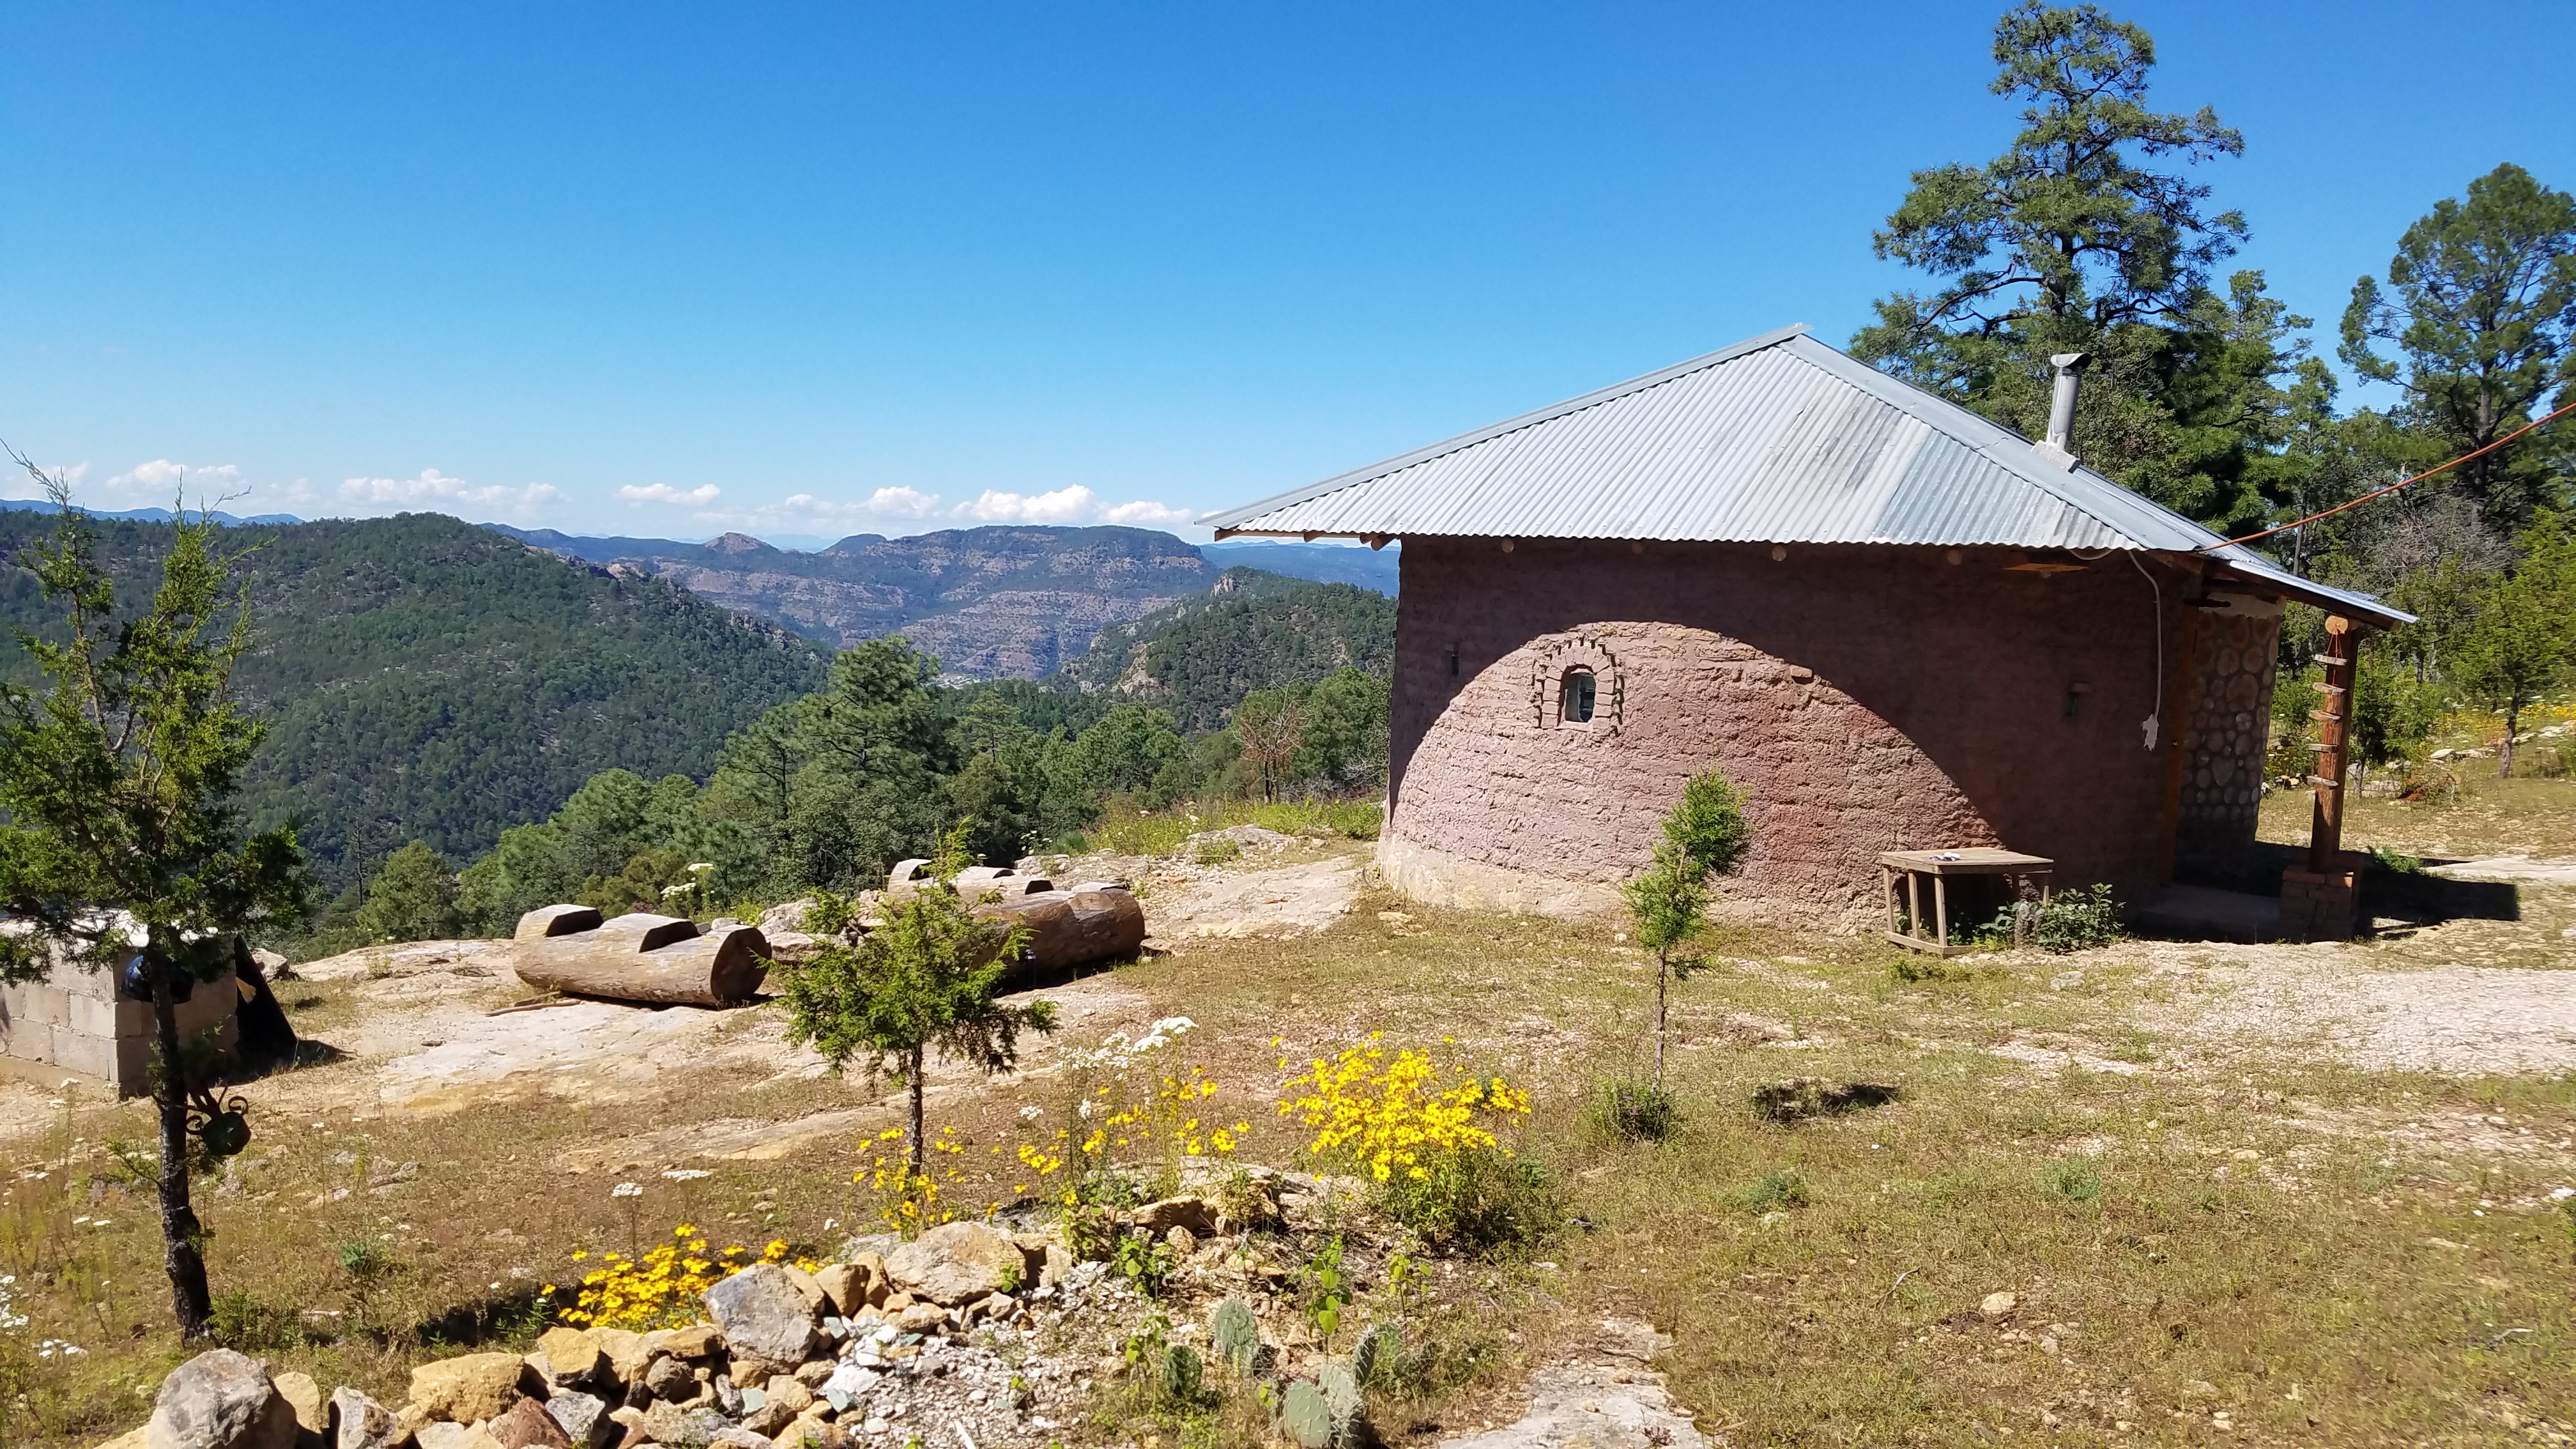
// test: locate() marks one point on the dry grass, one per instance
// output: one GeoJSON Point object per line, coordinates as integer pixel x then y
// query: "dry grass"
{"type": "Point", "coordinates": [2491, 817]}
{"type": "Point", "coordinates": [2325, 1254]}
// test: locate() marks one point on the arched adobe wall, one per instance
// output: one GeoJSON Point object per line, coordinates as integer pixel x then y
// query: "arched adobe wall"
{"type": "Point", "coordinates": [1865, 698]}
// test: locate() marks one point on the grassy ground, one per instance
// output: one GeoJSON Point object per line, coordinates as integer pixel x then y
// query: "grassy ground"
{"type": "Point", "coordinates": [2274, 1249]}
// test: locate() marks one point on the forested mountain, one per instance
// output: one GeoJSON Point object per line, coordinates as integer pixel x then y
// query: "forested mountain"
{"type": "Point", "coordinates": [1015, 602]}
{"type": "Point", "coordinates": [990, 603]}
{"type": "Point", "coordinates": [1253, 630]}
{"type": "Point", "coordinates": [426, 678]}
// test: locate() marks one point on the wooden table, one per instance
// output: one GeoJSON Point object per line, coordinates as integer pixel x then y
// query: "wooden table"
{"type": "Point", "coordinates": [1905, 919]}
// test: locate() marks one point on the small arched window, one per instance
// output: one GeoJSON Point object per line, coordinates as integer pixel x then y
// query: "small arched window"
{"type": "Point", "coordinates": [1575, 696]}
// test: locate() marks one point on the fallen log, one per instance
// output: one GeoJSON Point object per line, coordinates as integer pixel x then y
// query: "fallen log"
{"type": "Point", "coordinates": [1069, 928]}
{"type": "Point", "coordinates": [641, 957]}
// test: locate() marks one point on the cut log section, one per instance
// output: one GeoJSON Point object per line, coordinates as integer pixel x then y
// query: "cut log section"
{"type": "Point", "coordinates": [1093, 921]}
{"type": "Point", "coordinates": [547, 921]}
{"type": "Point", "coordinates": [661, 960]}
{"type": "Point", "coordinates": [1069, 928]}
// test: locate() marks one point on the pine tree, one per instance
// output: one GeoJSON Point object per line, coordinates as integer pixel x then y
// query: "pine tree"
{"type": "Point", "coordinates": [116, 782]}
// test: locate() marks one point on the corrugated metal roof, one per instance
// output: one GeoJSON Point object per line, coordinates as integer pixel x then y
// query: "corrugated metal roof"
{"type": "Point", "coordinates": [1778, 439]}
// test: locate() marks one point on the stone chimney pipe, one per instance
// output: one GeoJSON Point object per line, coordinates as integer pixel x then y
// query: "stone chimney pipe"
{"type": "Point", "coordinates": [2061, 403]}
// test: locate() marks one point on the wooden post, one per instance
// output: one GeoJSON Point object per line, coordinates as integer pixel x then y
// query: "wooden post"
{"type": "Point", "coordinates": [1941, 906]}
{"type": "Point", "coordinates": [2334, 718]}
{"type": "Point", "coordinates": [1913, 904]}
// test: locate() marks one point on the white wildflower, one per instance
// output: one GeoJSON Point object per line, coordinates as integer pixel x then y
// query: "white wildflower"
{"type": "Point", "coordinates": [627, 1189]}
{"type": "Point", "coordinates": [686, 1174]}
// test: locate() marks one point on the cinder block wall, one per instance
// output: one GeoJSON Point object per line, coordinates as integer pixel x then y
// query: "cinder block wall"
{"type": "Point", "coordinates": [1865, 698]}
{"type": "Point", "coordinates": [75, 1020]}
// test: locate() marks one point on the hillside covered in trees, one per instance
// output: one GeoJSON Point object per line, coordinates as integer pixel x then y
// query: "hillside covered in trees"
{"type": "Point", "coordinates": [1253, 631]}
{"type": "Point", "coordinates": [1276, 687]}
{"type": "Point", "coordinates": [426, 679]}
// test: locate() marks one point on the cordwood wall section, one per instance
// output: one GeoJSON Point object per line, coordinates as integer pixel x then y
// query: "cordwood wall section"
{"type": "Point", "coordinates": [1865, 698]}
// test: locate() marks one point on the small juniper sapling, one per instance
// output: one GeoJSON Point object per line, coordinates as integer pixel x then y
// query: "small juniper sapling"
{"type": "Point", "coordinates": [923, 981]}
{"type": "Point", "coordinates": [1705, 832]}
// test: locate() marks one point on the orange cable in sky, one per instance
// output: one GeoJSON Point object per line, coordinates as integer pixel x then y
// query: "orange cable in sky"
{"type": "Point", "coordinates": [2563, 410]}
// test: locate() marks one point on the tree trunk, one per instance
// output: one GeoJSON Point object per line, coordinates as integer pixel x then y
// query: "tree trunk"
{"type": "Point", "coordinates": [912, 1074]}
{"type": "Point", "coordinates": [1661, 972]}
{"type": "Point", "coordinates": [181, 1236]}
{"type": "Point", "coordinates": [2512, 726]}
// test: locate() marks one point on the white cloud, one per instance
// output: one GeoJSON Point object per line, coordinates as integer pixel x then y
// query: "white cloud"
{"type": "Point", "coordinates": [1145, 514]}
{"type": "Point", "coordinates": [1073, 504]}
{"type": "Point", "coordinates": [900, 502]}
{"type": "Point", "coordinates": [161, 480]}
{"type": "Point", "coordinates": [433, 486]}
{"type": "Point", "coordinates": [1064, 505]}
{"type": "Point", "coordinates": [697, 497]}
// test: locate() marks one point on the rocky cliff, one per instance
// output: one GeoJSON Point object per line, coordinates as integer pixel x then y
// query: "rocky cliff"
{"type": "Point", "coordinates": [990, 602]}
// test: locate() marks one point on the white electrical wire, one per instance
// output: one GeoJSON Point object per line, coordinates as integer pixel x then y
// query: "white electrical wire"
{"type": "Point", "coordinates": [2147, 727]}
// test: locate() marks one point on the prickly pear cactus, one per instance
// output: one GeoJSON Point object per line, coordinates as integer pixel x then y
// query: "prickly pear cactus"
{"type": "Point", "coordinates": [1341, 1401]}
{"type": "Point", "coordinates": [1236, 1336]}
{"type": "Point", "coordinates": [1305, 1417]}
{"type": "Point", "coordinates": [1378, 1358]}
{"type": "Point", "coordinates": [1180, 1372]}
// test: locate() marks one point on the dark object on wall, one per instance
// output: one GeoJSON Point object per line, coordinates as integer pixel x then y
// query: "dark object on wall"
{"type": "Point", "coordinates": [134, 985]}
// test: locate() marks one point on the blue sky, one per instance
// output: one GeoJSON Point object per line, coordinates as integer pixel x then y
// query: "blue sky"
{"type": "Point", "coordinates": [810, 271]}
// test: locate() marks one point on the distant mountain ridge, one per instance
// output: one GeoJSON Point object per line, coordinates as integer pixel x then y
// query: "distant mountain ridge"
{"type": "Point", "coordinates": [145, 515]}
{"type": "Point", "coordinates": [998, 602]}
{"type": "Point", "coordinates": [1005, 601]}
{"type": "Point", "coordinates": [422, 677]}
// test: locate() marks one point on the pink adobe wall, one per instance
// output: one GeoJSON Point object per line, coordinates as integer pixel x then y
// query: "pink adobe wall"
{"type": "Point", "coordinates": [1865, 697]}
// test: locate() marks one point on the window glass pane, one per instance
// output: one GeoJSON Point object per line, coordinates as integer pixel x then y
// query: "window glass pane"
{"type": "Point", "coordinates": [1576, 700]}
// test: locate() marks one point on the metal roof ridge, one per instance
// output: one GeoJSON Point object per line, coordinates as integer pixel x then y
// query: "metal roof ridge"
{"type": "Point", "coordinates": [1997, 444]}
{"type": "Point", "coordinates": [1488, 433]}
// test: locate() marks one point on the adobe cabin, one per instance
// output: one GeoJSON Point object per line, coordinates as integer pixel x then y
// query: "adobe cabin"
{"type": "Point", "coordinates": [1894, 624]}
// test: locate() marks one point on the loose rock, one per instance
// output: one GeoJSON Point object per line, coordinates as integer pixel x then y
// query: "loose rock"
{"type": "Point", "coordinates": [677, 1428]}
{"type": "Point", "coordinates": [849, 1286]}
{"type": "Point", "coordinates": [1159, 1218]}
{"type": "Point", "coordinates": [1999, 1305]}
{"type": "Point", "coordinates": [572, 1356]}
{"type": "Point", "coordinates": [583, 1418]}
{"type": "Point", "coordinates": [671, 1379]}
{"type": "Point", "coordinates": [626, 1352]}
{"type": "Point", "coordinates": [768, 1320]}
{"type": "Point", "coordinates": [304, 1396]}
{"type": "Point", "coordinates": [359, 1422]}
{"type": "Point", "coordinates": [529, 1426]}
{"type": "Point", "coordinates": [220, 1400]}
{"type": "Point", "coordinates": [698, 1340]}
{"type": "Point", "coordinates": [467, 1390]}
{"type": "Point", "coordinates": [956, 1263]}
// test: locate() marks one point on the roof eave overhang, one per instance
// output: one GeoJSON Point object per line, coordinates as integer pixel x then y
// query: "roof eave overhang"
{"type": "Point", "coordinates": [2244, 573]}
